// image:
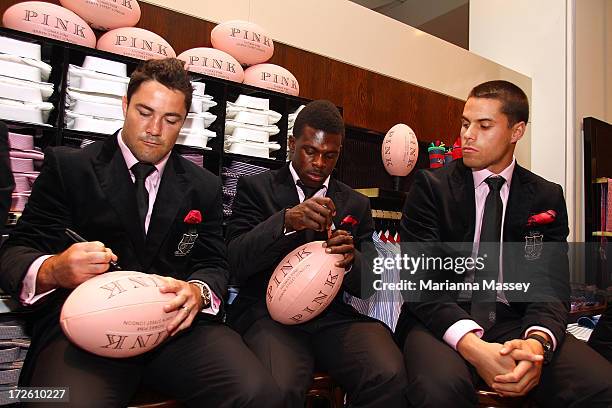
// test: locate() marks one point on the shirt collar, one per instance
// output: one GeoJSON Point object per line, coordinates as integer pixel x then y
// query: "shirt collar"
{"type": "Point", "coordinates": [130, 160]}
{"type": "Point", "coordinates": [481, 175]}
{"type": "Point", "coordinates": [296, 177]}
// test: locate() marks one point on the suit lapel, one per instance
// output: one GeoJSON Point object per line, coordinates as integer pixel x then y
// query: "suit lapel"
{"type": "Point", "coordinates": [461, 186]}
{"type": "Point", "coordinates": [339, 198]}
{"type": "Point", "coordinates": [172, 189]}
{"type": "Point", "coordinates": [115, 181]}
{"type": "Point", "coordinates": [519, 203]}
{"type": "Point", "coordinates": [284, 191]}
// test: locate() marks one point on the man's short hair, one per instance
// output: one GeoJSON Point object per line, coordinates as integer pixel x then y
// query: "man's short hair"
{"type": "Point", "coordinates": [321, 115]}
{"type": "Point", "coordinates": [169, 72]}
{"type": "Point", "coordinates": [515, 104]}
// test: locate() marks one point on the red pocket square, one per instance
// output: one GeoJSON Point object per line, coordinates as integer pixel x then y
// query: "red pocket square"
{"type": "Point", "coordinates": [350, 220]}
{"type": "Point", "coordinates": [193, 217]}
{"type": "Point", "coordinates": [542, 218]}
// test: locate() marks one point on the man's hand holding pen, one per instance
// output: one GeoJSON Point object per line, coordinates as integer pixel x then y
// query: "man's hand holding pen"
{"type": "Point", "coordinates": [68, 269]}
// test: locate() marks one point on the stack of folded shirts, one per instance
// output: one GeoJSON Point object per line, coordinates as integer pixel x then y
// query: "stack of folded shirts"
{"type": "Point", "coordinates": [194, 132]}
{"type": "Point", "coordinates": [290, 122]}
{"type": "Point", "coordinates": [230, 175]}
{"type": "Point", "coordinates": [14, 345]}
{"type": "Point", "coordinates": [249, 125]}
{"type": "Point", "coordinates": [93, 97]}
{"type": "Point", "coordinates": [23, 88]}
{"type": "Point", "coordinates": [23, 157]}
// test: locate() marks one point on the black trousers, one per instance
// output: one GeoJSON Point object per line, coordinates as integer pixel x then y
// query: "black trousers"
{"type": "Point", "coordinates": [438, 376]}
{"type": "Point", "coordinates": [361, 356]}
{"type": "Point", "coordinates": [208, 365]}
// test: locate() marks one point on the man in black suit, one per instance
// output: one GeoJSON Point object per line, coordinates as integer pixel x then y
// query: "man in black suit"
{"type": "Point", "coordinates": [277, 211]}
{"type": "Point", "coordinates": [132, 193]}
{"type": "Point", "coordinates": [7, 183]}
{"type": "Point", "coordinates": [515, 343]}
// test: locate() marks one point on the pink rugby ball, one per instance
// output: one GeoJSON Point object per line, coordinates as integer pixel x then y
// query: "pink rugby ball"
{"type": "Point", "coordinates": [136, 43]}
{"type": "Point", "coordinates": [49, 20]}
{"type": "Point", "coordinates": [117, 314]}
{"type": "Point", "coordinates": [212, 62]}
{"type": "Point", "coordinates": [303, 284]}
{"type": "Point", "coordinates": [243, 40]}
{"type": "Point", "coordinates": [106, 14]}
{"type": "Point", "coordinates": [272, 77]}
{"type": "Point", "coordinates": [400, 150]}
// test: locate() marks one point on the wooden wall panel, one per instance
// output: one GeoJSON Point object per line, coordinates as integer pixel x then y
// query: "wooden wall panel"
{"type": "Point", "coordinates": [370, 100]}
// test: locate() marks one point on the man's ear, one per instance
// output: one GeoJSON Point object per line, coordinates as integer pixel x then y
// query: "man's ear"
{"type": "Point", "coordinates": [124, 105]}
{"type": "Point", "coordinates": [291, 144]}
{"type": "Point", "coordinates": [518, 130]}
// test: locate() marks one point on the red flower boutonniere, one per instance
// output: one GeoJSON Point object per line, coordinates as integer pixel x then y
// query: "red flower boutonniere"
{"type": "Point", "coordinates": [542, 218]}
{"type": "Point", "coordinates": [193, 217]}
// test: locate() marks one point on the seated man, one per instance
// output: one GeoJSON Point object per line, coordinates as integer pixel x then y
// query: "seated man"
{"type": "Point", "coordinates": [274, 213]}
{"type": "Point", "coordinates": [129, 196]}
{"type": "Point", "coordinates": [515, 346]}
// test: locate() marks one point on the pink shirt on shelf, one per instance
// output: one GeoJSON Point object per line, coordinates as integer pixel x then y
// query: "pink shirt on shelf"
{"type": "Point", "coordinates": [28, 292]}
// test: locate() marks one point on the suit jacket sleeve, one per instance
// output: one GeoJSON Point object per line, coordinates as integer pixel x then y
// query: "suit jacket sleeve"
{"type": "Point", "coordinates": [420, 223]}
{"type": "Point", "coordinates": [255, 241]}
{"type": "Point", "coordinates": [208, 256]}
{"type": "Point", "coordinates": [551, 274]}
{"type": "Point", "coordinates": [7, 183]}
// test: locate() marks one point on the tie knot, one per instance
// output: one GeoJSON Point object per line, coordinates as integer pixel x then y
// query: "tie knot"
{"type": "Point", "coordinates": [495, 183]}
{"type": "Point", "coordinates": [142, 170]}
{"type": "Point", "coordinates": [308, 191]}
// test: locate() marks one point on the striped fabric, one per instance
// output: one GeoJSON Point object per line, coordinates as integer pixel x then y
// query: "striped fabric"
{"type": "Point", "coordinates": [382, 305]}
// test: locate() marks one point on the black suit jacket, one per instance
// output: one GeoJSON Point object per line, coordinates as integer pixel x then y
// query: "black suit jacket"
{"type": "Point", "coordinates": [7, 184]}
{"type": "Point", "coordinates": [441, 207]}
{"type": "Point", "coordinates": [256, 242]}
{"type": "Point", "coordinates": [90, 191]}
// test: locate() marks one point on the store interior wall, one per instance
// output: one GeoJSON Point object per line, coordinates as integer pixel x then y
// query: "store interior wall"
{"type": "Point", "coordinates": [348, 32]}
{"type": "Point", "coordinates": [532, 38]}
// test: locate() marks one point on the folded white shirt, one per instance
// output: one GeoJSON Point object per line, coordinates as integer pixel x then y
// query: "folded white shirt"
{"type": "Point", "coordinates": [86, 123]}
{"type": "Point", "coordinates": [20, 93]}
{"type": "Point", "coordinates": [249, 148]}
{"type": "Point", "coordinates": [25, 111]}
{"type": "Point", "coordinates": [20, 71]}
{"type": "Point", "coordinates": [199, 120]}
{"type": "Point", "coordinates": [230, 125]}
{"type": "Point", "coordinates": [105, 66]}
{"type": "Point", "coordinates": [94, 105]}
{"type": "Point", "coordinates": [95, 82]}
{"type": "Point", "coordinates": [201, 104]}
{"type": "Point", "coordinates": [253, 102]}
{"type": "Point", "coordinates": [46, 88]}
{"type": "Point", "coordinates": [232, 110]}
{"type": "Point", "coordinates": [21, 48]}
{"type": "Point", "coordinates": [250, 135]}
{"type": "Point", "coordinates": [43, 67]}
